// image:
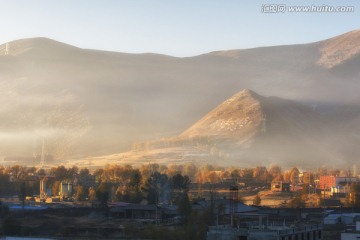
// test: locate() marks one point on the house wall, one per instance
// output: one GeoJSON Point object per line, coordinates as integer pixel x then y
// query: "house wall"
{"type": "Point", "coordinates": [350, 236]}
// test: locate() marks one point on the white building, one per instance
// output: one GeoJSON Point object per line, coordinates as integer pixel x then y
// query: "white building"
{"type": "Point", "coordinates": [351, 233]}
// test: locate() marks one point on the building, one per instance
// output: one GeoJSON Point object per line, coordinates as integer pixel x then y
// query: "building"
{"type": "Point", "coordinates": [136, 211]}
{"type": "Point", "coordinates": [307, 178]}
{"type": "Point", "coordinates": [352, 232]}
{"type": "Point", "coordinates": [261, 230]}
{"type": "Point", "coordinates": [280, 187]}
{"type": "Point", "coordinates": [336, 186]}
{"type": "Point", "coordinates": [66, 189]}
{"type": "Point", "coordinates": [328, 182]}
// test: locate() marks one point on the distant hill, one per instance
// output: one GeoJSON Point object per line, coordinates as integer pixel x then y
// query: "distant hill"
{"type": "Point", "coordinates": [93, 103]}
{"type": "Point", "coordinates": [256, 129]}
{"type": "Point", "coordinates": [247, 130]}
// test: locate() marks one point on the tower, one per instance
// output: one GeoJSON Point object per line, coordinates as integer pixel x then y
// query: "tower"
{"type": "Point", "coordinates": [43, 187]}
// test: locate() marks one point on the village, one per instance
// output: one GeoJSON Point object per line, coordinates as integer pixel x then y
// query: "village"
{"type": "Point", "coordinates": [225, 203]}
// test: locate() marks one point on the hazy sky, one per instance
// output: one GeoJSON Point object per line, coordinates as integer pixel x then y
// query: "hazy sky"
{"type": "Point", "coordinates": [173, 27]}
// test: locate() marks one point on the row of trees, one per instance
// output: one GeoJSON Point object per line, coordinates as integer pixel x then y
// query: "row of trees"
{"type": "Point", "coordinates": [196, 173]}
{"type": "Point", "coordinates": [152, 182]}
{"type": "Point", "coordinates": [115, 183]}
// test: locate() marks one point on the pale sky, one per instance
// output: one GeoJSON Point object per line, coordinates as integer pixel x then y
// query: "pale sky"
{"type": "Point", "coordinates": [173, 27]}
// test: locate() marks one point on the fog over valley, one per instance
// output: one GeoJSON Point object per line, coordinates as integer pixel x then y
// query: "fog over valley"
{"type": "Point", "coordinates": [294, 104]}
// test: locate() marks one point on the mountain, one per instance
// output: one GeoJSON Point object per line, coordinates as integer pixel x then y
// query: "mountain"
{"type": "Point", "coordinates": [259, 130]}
{"type": "Point", "coordinates": [338, 50]}
{"type": "Point", "coordinates": [248, 129]}
{"type": "Point", "coordinates": [91, 103]}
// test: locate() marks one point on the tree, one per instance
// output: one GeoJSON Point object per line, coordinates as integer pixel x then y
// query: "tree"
{"type": "Point", "coordinates": [72, 172]}
{"type": "Point", "coordinates": [184, 207]}
{"type": "Point", "coordinates": [294, 175]}
{"type": "Point", "coordinates": [297, 202]}
{"type": "Point", "coordinates": [118, 194]}
{"type": "Point", "coordinates": [84, 172]}
{"type": "Point", "coordinates": [235, 174]}
{"type": "Point", "coordinates": [190, 170]}
{"type": "Point", "coordinates": [212, 177]}
{"type": "Point", "coordinates": [80, 193]}
{"type": "Point", "coordinates": [305, 192]}
{"type": "Point", "coordinates": [4, 182]}
{"type": "Point", "coordinates": [259, 172]}
{"type": "Point", "coordinates": [99, 175]}
{"type": "Point", "coordinates": [84, 175]}
{"type": "Point", "coordinates": [18, 173]}
{"type": "Point", "coordinates": [60, 173]}
{"type": "Point", "coordinates": [150, 189]}
{"type": "Point", "coordinates": [22, 193]}
{"type": "Point", "coordinates": [156, 188]}
{"type": "Point", "coordinates": [92, 194]}
{"type": "Point", "coordinates": [179, 186]}
{"type": "Point", "coordinates": [102, 194]}
{"type": "Point", "coordinates": [133, 188]}
{"type": "Point", "coordinates": [322, 171]}
{"type": "Point", "coordinates": [56, 188]}
{"type": "Point", "coordinates": [41, 172]}
{"type": "Point", "coordinates": [247, 173]}
{"type": "Point", "coordinates": [335, 172]}
{"type": "Point", "coordinates": [257, 200]}
{"type": "Point", "coordinates": [345, 173]}
{"type": "Point", "coordinates": [31, 171]}
{"type": "Point", "coordinates": [275, 171]}
{"type": "Point", "coordinates": [354, 195]}
{"type": "Point", "coordinates": [180, 182]}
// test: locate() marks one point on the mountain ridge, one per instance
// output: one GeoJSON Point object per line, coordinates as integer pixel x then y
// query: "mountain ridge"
{"type": "Point", "coordinates": [349, 39]}
{"type": "Point", "coordinates": [125, 98]}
